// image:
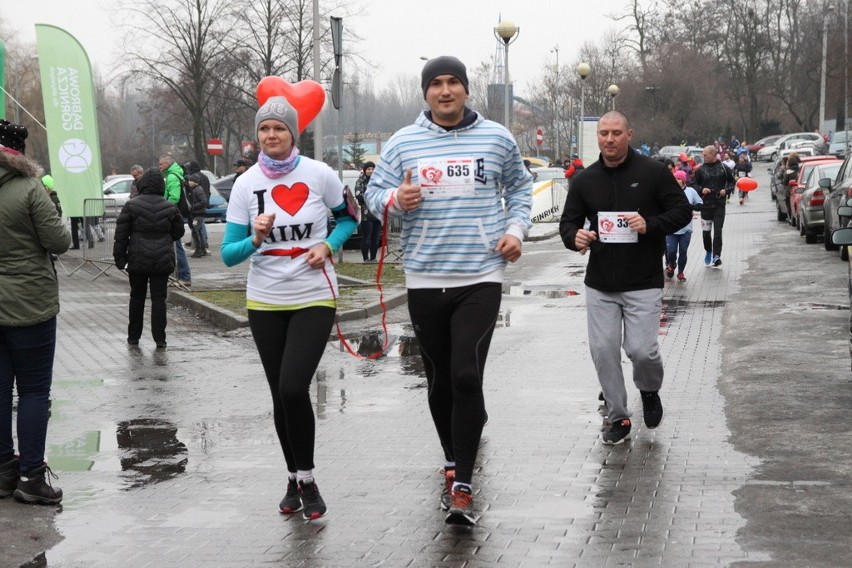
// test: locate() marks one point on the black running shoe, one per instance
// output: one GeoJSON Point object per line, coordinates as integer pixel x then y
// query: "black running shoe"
{"type": "Point", "coordinates": [312, 501]}
{"type": "Point", "coordinates": [618, 432]}
{"type": "Point", "coordinates": [292, 501]}
{"type": "Point", "coordinates": [447, 489]}
{"type": "Point", "coordinates": [461, 511]}
{"type": "Point", "coordinates": [652, 407]}
{"type": "Point", "coordinates": [717, 261]}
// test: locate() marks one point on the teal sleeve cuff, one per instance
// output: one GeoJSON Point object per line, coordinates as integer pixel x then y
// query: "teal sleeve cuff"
{"type": "Point", "coordinates": [236, 246]}
{"type": "Point", "coordinates": [346, 225]}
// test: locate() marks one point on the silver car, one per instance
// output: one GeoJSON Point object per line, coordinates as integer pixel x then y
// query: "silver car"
{"type": "Point", "coordinates": [811, 211]}
{"type": "Point", "coordinates": [791, 141]}
{"type": "Point", "coordinates": [116, 193]}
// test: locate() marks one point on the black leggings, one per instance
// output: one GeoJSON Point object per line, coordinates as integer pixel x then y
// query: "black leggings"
{"type": "Point", "coordinates": [454, 328]}
{"type": "Point", "coordinates": [290, 344]}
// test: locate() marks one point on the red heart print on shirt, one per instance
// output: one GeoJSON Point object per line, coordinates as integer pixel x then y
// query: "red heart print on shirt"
{"type": "Point", "coordinates": [290, 199]}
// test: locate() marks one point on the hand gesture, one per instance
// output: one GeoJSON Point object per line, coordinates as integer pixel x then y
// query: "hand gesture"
{"type": "Point", "coordinates": [263, 225]}
{"type": "Point", "coordinates": [408, 195]}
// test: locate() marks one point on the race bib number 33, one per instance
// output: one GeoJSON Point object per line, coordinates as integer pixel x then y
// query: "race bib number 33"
{"type": "Point", "coordinates": [613, 227]}
{"type": "Point", "coordinates": [453, 177]}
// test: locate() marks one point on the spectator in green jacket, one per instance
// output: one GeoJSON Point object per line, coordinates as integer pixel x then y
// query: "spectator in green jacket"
{"type": "Point", "coordinates": [173, 176]}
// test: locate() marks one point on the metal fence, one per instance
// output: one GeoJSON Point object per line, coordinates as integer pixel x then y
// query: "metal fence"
{"type": "Point", "coordinates": [98, 234]}
{"type": "Point", "coordinates": [548, 203]}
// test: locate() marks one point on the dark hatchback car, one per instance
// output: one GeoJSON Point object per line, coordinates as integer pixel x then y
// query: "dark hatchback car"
{"type": "Point", "coordinates": [840, 193]}
{"type": "Point", "coordinates": [224, 185]}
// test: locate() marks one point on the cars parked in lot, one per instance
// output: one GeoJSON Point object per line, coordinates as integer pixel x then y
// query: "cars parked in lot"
{"type": "Point", "coordinates": [756, 146]}
{"type": "Point", "coordinates": [810, 215]}
{"type": "Point", "coordinates": [791, 141]}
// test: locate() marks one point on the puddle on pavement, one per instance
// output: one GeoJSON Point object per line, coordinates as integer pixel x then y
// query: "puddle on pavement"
{"type": "Point", "coordinates": [807, 306]}
{"type": "Point", "coordinates": [146, 450]}
{"type": "Point", "coordinates": [401, 342]}
{"type": "Point", "coordinates": [673, 308]}
{"type": "Point", "coordinates": [541, 291]}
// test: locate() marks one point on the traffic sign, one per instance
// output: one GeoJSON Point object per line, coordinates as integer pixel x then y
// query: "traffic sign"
{"type": "Point", "coordinates": [539, 137]}
{"type": "Point", "coordinates": [215, 147]}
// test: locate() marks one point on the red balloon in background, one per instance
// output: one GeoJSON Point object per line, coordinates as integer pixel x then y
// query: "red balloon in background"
{"type": "Point", "coordinates": [307, 97]}
{"type": "Point", "coordinates": [746, 184]}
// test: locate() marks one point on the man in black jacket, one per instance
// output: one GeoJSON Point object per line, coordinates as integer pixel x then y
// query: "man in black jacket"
{"type": "Point", "coordinates": [713, 181]}
{"type": "Point", "coordinates": [631, 203]}
{"type": "Point", "coordinates": [145, 233]}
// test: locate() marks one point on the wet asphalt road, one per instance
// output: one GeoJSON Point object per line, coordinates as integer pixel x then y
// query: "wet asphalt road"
{"type": "Point", "coordinates": [170, 459]}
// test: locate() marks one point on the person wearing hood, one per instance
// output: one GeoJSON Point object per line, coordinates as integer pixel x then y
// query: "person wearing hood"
{"type": "Point", "coordinates": [31, 230]}
{"type": "Point", "coordinates": [145, 234]}
{"type": "Point", "coordinates": [199, 225]}
{"type": "Point", "coordinates": [371, 226]}
{"type": "Point", "coordinates": [173, 177]}
{"type": "Point", "coordinates": [277, 217]}
{"type": "Point", "coordinates": [448, 176]}
{"type": "Point", "coordinates": [48, 183]}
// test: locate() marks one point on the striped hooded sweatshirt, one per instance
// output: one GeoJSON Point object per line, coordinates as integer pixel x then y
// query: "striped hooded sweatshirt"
{"type": "Point", "coordinates": [450, 241]}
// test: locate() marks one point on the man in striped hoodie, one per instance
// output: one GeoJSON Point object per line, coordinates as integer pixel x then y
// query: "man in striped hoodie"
{"type": "Point", "coordinates": [460, 186]}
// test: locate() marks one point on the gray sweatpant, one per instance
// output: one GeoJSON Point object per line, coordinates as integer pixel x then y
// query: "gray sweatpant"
{"type": "Point", "coordinates": [635, 316]}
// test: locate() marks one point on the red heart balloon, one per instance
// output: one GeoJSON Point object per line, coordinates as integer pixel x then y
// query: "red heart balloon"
{"type": "Point", "coordinates": [307, 97]}
{"type": "Point", "coordinates": [746, 184]}
{"type": "Point", "coordinates": [290, 199]}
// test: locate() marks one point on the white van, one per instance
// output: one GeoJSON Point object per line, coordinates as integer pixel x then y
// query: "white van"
{"type": "Point", "coordinates": [837, 146]}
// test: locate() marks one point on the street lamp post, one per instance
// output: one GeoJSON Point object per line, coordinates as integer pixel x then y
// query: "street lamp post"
{"type": "Point", "coordinates": [558, 157]}
{"type": "Point", "coordinates": [508, 32]}
{"type": "Point", "coordinates": [613, 92]}
{"type": "Point", "coordinates": [828, 11]}
{"type": "Point", "coordinates": [583, 70]}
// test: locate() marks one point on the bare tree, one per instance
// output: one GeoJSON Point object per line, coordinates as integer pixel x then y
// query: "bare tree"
{"type": "Point", "coordinates": [189, 47]}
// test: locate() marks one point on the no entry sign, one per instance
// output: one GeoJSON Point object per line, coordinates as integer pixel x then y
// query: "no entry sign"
{"type": "Point", "coordinates": [215, 147]}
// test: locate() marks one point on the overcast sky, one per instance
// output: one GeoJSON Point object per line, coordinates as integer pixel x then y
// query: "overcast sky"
{"type": "Point", "coordinates": [396, 32]}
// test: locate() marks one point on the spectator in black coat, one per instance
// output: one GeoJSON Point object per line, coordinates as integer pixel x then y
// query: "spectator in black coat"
{"type": "Point", "coordinates": [145, 232]}
{"type": "Point", "coordinates": [189, 169]}
{"type": "Point", "coordinates": [198, 213]}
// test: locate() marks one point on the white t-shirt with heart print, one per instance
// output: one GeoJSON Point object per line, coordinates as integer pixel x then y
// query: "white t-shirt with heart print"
{"type": "Point", "coordinates": [301, 201]}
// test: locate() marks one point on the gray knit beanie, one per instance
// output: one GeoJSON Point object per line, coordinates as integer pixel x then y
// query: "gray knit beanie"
{"type": "Point", "coordinates": [278, 108]}
{"type": "Point", "coordinates": [444, 65]}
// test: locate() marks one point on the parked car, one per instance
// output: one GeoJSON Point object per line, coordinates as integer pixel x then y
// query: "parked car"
{"type": "Point", "coordinates": [842, 238]}
{"type": "Point", "coordinates": [670, 152]}
{"type": "Point", "coordinates": [811, 215]}
{"type": "Point", "coordinates": [839, 140]}
{"type": "Point", "coordinates": [840, 192]}
{"type": "Point", "coordinates": [789, 141]}
{"type": "Point", "coordinates": [784, 194]}
{"type": "Point", "coordinates": [775, 181]}
{"type": "Point", "coordinates": [756, 146]}
{"type": "Point", "coordinates": [798, 190]}
{"type": "Point", "coordinates": [223, 186]}
{"type": "Point", "coordinates": [217, 206]}
{"type": "Point", "coordinates": [116, 188]}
